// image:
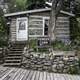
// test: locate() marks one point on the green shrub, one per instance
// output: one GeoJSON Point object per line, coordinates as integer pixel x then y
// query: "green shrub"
{"type": "Point", "coordinates": [43, 50]}
{"type": "Point", "coordinates": [73, 70]}
{"type": "Point", "coordinates": [59, 45]}
{"type": "Point", "coordinates": [33, 44]}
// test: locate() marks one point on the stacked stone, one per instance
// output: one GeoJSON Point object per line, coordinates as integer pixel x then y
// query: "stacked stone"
{"type": "Point", "coordinates": [53, 63]}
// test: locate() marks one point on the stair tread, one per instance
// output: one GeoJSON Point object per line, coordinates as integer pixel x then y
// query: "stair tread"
{"type": "Point", "coordinates": [13, 57]}
{"type": "Point", "coordinates": [13, 60]}
{"type": "Point", "coordinates": [16, 51]}
{"type": "Point", "coordinates": [14, 54]}
{"type": "Point", "coordinates": [12, 64]}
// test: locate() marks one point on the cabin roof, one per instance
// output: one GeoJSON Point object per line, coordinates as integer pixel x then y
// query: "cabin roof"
{"type": "Point", "coordinates": [34, 11]}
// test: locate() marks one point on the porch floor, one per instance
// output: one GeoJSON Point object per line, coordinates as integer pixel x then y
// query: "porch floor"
{"type": "Point", "coordinates": [7, 73]}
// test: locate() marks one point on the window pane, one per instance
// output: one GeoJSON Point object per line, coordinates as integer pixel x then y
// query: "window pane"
{"type": "Point", "coordinates": [35, 31]}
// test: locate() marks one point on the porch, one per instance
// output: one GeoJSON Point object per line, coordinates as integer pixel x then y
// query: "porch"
{"type": "Point", "coordinates": [8, 73]}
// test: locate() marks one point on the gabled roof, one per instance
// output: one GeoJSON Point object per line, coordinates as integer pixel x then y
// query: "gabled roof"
{"type": "Point", "coordinates": [34, 11]}
{"type": "Point", "coordinates": [26, 12]}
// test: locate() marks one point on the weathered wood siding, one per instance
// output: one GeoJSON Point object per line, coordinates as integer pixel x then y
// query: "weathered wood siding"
{"type": "Point", "coordinates": [1, 55]}
{"type": "Point", "coordinates": [13, 30]}
{"type": "Point", "coordinates": [62, 31]}
{"type": "Point", "coordinates": [45, 13]}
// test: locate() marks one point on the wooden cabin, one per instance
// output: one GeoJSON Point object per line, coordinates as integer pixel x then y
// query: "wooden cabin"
{"type": "Point", "coordinates": [33, 24]}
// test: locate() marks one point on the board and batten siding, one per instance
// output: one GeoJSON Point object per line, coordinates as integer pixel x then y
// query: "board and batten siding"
{"type": "Point", "coordinates": [13, 30]}
{"type": "Point", "coordinates": [62, 30]}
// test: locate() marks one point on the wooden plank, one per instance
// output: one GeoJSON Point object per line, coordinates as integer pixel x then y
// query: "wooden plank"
{"type": "Point", "coordinates": [45, 76]}
{"type": "Point", "coordinates": [37, 75]}
{"type": "Point", "coordinates": [34, 75]}
{"type": "Point", "coordinates": [72, 77]}
{"type": "Point", "coordinates": [51, 76]}
{"type": "Point", "coordinates": [30, 75]}
{"type": "Point", "coordinates": [4, 72]}
{"type": "Point", "coordinates": [55, 76]}
{"type": "Point", "coordinates": [19, 75]}
{"type": "Point", "coordinates": [75, 77]}
{"type": "Point", "coordinates": [66, 77]}
{"type": "Point", "coordinates": [2, 69]}
{"type": "Point", "coordinates": [7, 74]}
{"type": "Point", "coordinates": [10, 74]}
{"type": "Point", "coordinates": [48, 76]}
{"type": "Point", "coordinates": [16, 73]}
{"type": "Point", "coordinates": [41, 76]}
{"type": "Point", "coordinates": [60, 77]}
{"type": "Point", "coordinates": [23, 74]}
{"type": "Point", "coordinates": [26, 75]}
{"type": "Point", "coordinates": [78, 77]}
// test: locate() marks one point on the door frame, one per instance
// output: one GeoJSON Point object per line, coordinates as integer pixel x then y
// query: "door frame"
{"type": "Point", "coordinates": [17, 27]}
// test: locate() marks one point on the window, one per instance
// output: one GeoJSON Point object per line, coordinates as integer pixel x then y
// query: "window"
{"type": "Point", "coordinates": [38, 26]}
{"type": "Point", "coordinates": [46, 26]}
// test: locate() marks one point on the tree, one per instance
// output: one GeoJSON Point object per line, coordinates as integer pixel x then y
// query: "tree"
{"type": "Point", "coordinates": [3, 29]}
{"type": "Point", "coordinates": [35, 4]}
{"type": "Point", "coordinates": [16, 5]}
{"type": "Point", "coordinates": [20, 5]}
{"type": "Point", "coordinates": [56, 7]}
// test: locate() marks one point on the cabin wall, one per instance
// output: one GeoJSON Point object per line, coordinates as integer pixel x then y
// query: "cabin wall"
{"type": "Point", "coordinates": [13, 30]}
{"type": "Point", "coordinates": [13, 34]}
{"type": "Point", "coordinates": [46, 13]}
{"type": "Point", "coordinates": [61, 32]}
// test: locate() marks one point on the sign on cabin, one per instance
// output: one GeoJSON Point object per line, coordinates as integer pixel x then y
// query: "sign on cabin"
{"type": "Point", "coordinates": [43, 42]}
{"type": "Point", "coordinates": [22, 29]}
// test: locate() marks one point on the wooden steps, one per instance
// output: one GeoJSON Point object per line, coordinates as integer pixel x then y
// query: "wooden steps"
{"type": "Point", "coordinates": [12, 64]}
{"type": "Point", "coordinates": [14, 56]}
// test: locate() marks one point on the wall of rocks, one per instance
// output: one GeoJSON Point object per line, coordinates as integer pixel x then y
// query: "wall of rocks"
{"type": "Point", "coordinates": [50, 62]}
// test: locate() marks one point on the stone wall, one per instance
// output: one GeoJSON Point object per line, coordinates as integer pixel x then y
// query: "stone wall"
{"type": "Point", "coordinates": [49, 62]}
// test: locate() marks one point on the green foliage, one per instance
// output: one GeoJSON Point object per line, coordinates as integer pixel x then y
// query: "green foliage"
{"type": "Point", "coordinates": [33, 4]}
{"type": "Point", "coordinates": [43, 50]}
{"type": "Point", "coordinates": [17, 5]}
{"type": "Point", "coordinates": [3, 30]}
{"type": "Point", "coordinates": [21, 5]}
{"type": "Point", "coordinates": [73, 70]}
{"type": "Point", "coordinates": [33, 44]}
{"type": "Point", "coordinates": [75, 32]}
{"type": "Point", "coordinates": [60, 46]}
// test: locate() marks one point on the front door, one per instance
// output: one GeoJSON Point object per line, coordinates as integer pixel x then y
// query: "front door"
{"type": "Point", "coordinates": [22, 29]}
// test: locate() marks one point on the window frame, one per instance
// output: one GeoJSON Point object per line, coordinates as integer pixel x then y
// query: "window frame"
{"type": "Point", "coordinates": [43, 25]}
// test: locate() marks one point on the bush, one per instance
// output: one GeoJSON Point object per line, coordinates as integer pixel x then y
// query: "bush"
{"type": "Point", "coordinates": [73, 70]}
{"type": "Point", "coordinates": [59, 45]}
{"type": "Point", "coordinates": [33, 44]}
{"type": "Point", "coordinates": [75, 32]}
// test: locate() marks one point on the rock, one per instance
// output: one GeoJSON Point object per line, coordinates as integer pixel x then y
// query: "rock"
{"type": "Point", "coordinates": [49, 62]}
